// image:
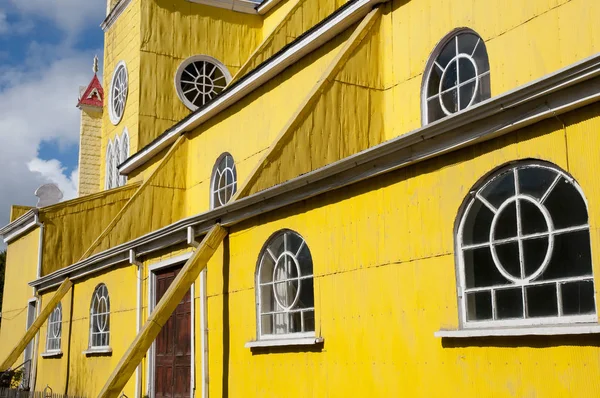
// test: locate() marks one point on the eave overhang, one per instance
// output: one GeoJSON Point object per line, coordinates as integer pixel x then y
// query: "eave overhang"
{"type": "Point", "coordinates": [244, 6]}
{"type": "Point", "coordinates": [568, 89]}
{"type": "Point", "coordinates": [20, 226]}
{"type": "Point", "coordinates": [311, 40]}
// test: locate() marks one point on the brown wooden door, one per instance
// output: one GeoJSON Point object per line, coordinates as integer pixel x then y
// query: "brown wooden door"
{"type": "Point", "coordinates": [173, 355]}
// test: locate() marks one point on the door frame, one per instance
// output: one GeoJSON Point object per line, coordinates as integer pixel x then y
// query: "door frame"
{"type": "Point", "coordinates": [150, 369]}
{"type": "Point", "coordinates": [34, 342]}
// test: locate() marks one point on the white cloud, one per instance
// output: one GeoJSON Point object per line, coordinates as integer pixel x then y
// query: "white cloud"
{"type": "Point", "coordinates": [53, 171]}
{"type": "Point", "coordinates": [38, 103]}
{"type": "Point", "coordinates": [71, 16]}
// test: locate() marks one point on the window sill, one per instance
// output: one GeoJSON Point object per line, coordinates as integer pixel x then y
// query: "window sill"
{"type": "Point", "coordinates": [521, 331]}
{"type": "Point", "coordinates": [51, 354]}
{"type": "Point", "coordinates": [285, 342]}
{"type": "Point", "coordinates": [98, 351]}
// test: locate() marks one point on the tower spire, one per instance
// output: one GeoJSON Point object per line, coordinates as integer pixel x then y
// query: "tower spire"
{"type": "Point", "coordinates": [95, 68]}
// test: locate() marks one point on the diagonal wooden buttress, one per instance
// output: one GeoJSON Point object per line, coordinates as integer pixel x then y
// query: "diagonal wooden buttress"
{"type": "Point", "coordinates": [161, 314]}
{"type": "Point", "coordinates": [39, 321]}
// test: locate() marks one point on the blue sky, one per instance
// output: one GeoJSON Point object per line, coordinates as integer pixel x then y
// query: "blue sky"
{"type": "Point", "coordinates": [46, 52]}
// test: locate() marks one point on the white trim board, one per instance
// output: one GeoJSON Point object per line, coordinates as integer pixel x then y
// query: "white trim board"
{"type": "Point", "coordinates": [339, 22]}
{"type": "Point", "coordinates": [244, 6]}
{"type": "Point", "coordinates": [114, 14]}
{"type": "Point", "coordinates": [563, 91]}
{"type": "Point", "coordinates": [521, 331]}
{"type": "Point", "coordinates": [20, 226]}
{"type": "Point", "coordinates": [152, 269]}
{"type": "Point", "coordinates": [266, 6]}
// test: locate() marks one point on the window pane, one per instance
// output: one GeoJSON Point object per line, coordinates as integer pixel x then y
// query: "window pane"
{"type": "Point", "coordinates": [450, 100]}
{"type": "Point", "coordinates": [506, 225]}
{"type": "Point", "coordinates": [466, 69]}
{"type": "Point", "coordinates": [266, 268]}
{"type": "Point", "coordinates": [566, 205]}
{"type": "Point", "coordinates": [434, 110]}
{"type": "Point", "coordinates": [448, 53]}
{"type": "Point", "coordinates": [508, 254]}
{"type": "Point", "coordinates": [480, 270]}
{"type": "Point", "coordinates": [578, 298]}
{"type": "Point", "coordinates": [509, 303]}
{"type": "Point", "coordinates": [307, 296]}
{"type": "Point", "coordinates": [266, 324]}
{"type": "Point", "coordinates": [467, 42]}
{"type": "Point", "coordinates": [305, 261]}
{"type": "Point", "coordinates": [309, 321]}
{"type": "Point", "coordinates": [466, 94]}
{"type": "Point", "coordinates": [267, 299]}
{"type": "Point", "coordinates": [534, 252]}
{"type": "Point", "coordinates": [481, 58]}
{"type": "Point", "coordinates": [295, 322]}
{"type": "Point", "coordinates": [500, 189]}
{"type": "Point", "coordinates": [479, 306]}
{"type": "Point", "coordinates": [433, 86]}
{"type": "Point", "coordinates": [535, 181]}
{"type": "Point", "coordinates": [571, 256]}
{"type": "Point", "coordinates": [450, 77]}
{"type": "Point", "coordinates": [541, 301]}
{"type": "Point", "coordinates": [484, 90]}
{"type": "Point", "coordinates": [477, 224]}
{"type": "Point", "coordinates": [532, 219]}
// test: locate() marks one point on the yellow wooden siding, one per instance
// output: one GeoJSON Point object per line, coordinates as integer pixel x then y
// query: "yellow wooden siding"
{"type": "Point", "coordinates": [122, 43]}
{"type": "Point", "coordinates": [87, 374]}
{"type": "Point", "coordinates": [71, 227]}
{"type": "Point", "coordinates": [383, 254]}
{"type": "Point", "coordinates": [90, 138]}
{"type": "Point", "coordinates": [173, 31]}
{"type": "Point", "coordinates": [17, 211]}
{"type": "Point", "coordinates": [21, 268]}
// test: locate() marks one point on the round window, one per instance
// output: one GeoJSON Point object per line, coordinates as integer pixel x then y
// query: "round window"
{"type": "Point", "coordinates": [199, 79]}
{"type": "Point", "coordinates": [118, 93]}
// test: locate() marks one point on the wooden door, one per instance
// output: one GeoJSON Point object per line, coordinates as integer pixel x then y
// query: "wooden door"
{"type": "Point", "coordinates": [173, 355]}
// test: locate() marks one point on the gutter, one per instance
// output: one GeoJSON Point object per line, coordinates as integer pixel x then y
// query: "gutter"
{"type": "Point", "coordinates": [266, 6]}
{"type": "Point", "coordinates": [314, 38]}
{"type": "Point", "coordinates": [568, 89]}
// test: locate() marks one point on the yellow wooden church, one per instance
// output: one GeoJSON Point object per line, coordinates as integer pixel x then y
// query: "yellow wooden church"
{"type": "Point", "coordinates": [323, 198]}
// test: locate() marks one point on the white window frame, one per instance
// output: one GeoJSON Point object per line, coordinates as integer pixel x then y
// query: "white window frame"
{"type": "Point", "coordinates": [215, 179]}
{"type": "Point", "coordinates": [115, 162]}
{"type": "Point", "coordinates": [460, 262]}
{"type": "Point", "coordinates": [93, 315]}
{"type": "Point", "coordinates": [432, 63]}
{"type": "Point", "coordinates": [199, 58]}
{"type": "Point", "coordinates": [153, 270]}
{"type": "Point", "coordinates": [257, 283]}
{"type": "Point", "coordinates": [55, 318]}
{"type": "Point", "coordinates": [114, 117]}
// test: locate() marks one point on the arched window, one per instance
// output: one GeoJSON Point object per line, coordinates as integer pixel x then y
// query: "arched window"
{"type": "Point", "coordinates": [108, 178]}
{"type": "Point", "coordinates": [123, 155]}
{"type": "Point", "coordinates": [523, 245]}
{"type": "Point", "coordinates": [224, 181]}
{"type": "Point", "coordinates": [54, 329]}
{"type": "Point", "coordinates": [100, 317]}
{"type": "Point", "coordinates": [284, 287]}
{"type": "Point", "coordinates": [115, 162]}
{"type": "Point", "coordinates": [199, 79]}
{"type": "Point", "coordinates": [117, 96]}
{"type": "Point", "coordinates": [456, 77]}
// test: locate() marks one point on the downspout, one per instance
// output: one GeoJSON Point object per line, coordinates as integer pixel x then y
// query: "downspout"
{"type": "Point", "coordinates": [138, 319]}
{"type": "Point", "coordinates": [33, 369]}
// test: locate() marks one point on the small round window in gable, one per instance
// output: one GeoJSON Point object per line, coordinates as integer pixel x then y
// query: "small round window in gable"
{"type": "Point", "coordinates": [458, 76]}
{"type": "Point", "coordinates": [199, 79]}
{"type": "Point", "coordinates": [118, 93]}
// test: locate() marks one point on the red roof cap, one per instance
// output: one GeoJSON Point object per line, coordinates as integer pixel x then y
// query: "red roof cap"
{"type": "Point", "coordinates": [93, 94]}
